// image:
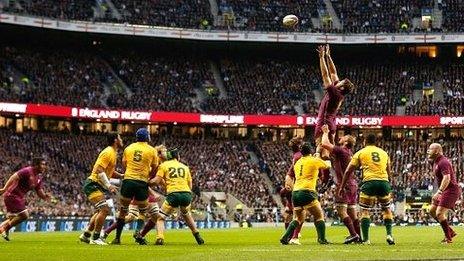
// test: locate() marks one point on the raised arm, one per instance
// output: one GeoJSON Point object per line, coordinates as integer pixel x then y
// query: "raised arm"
{"type": "Point", "coordinates": [332, 70]}
{"type": "Point", "coordinates": [322, 63]}
{"type": "Point", "coordinates": [12, 182]}
{"type": "Point", "coordinates": [325, 139]}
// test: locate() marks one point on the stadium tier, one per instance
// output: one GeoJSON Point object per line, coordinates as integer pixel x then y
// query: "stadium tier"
{"type": "Point", "coordinates": [217, 165]}
{"type": "Point", "coordinates": [186, 83]}
{"type": "Point", "coordinates": [384, 16]}
{"type": "Point", "coordinates": [343, 16]}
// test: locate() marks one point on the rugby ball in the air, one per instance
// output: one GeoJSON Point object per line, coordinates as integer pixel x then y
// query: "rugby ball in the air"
{"type": "Point", "coordinates": [290, 20]}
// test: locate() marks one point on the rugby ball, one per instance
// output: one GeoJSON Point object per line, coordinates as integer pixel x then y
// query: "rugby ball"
{"type": "Point", "coordinates": [290, 20]}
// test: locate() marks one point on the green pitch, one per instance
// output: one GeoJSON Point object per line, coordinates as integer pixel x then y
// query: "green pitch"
{"type": "Point", "coordinates": [238, 244]}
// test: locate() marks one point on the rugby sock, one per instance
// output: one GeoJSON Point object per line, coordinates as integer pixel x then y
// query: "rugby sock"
{"type": "Point", "coordinates": [320, 228]}
{"type": "Point", "coordinates": [148, 226]}
{"type": "Point", "coordinates": [291, 227]}
{"type": "Point", "coordinates": [286, 225]}
{"type": "Point", "coordinates": [112, 227]}
{"type": "Point", "coordinates": [357, 228]}
{"type": "Point", "coordinates": [446, 228]}
{"type": "Point", "coordinates": [120, 225]}
{"type": "Point", "coordinates": [451, 232]}
{"type": "Point", "coordinates": [365, 223]}
{"type": "Point", "coordinates": [297, 231]}
{"type": "Point", "coordinates": [140, 223]}
{"type": "Point", "coordinates": [388, 225]}
{"type": "Point", "coordinates": [349, 224]}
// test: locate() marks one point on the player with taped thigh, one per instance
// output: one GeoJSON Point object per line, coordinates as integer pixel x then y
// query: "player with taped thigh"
{"type": "Point", "coordinates": [97, 184]}
{"type": "Point", "coordinates": [346, 205]}
{"type": "Point", "coordinates": [335, 92]}
{"type": "Point", "coordinates": [139, 159]}
{"type": "Point", "coordinates": [304, 195]}
{"type": "Point", "coordinates": [134, 213]}
{"type": "Point", "coordinates": [376, 168]}
{"type": "Point", "coordinates": [176, 177]}
{"type": "Point", "coordinates": [153, 199]}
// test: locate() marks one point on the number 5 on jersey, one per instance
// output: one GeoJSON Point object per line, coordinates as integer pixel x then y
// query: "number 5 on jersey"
{"type": "Point", "coordinates": [137, 156]}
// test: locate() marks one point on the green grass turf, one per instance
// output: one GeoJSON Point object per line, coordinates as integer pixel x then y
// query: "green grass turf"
{"type": "Point", "coordinates": [238, 244]}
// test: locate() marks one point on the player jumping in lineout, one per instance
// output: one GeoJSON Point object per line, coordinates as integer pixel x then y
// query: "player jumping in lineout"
{"type": "Point", "coordinates": [335, 92]}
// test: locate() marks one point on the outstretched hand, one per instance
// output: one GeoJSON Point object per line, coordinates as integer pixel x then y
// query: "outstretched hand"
{"type": "Point", "coordinates": [325, 128]}
{"type": "Point", "coordinates": [327, 50]}
{"type": "Point", "coordinates": [321, 50]}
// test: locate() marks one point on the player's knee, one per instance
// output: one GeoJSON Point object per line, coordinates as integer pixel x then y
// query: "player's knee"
{"type": "Point", "coordinates": [143, 210]}
{"type": "Point", "coordinates": [341, 210]}
{"type": "Point", "coordinates": [162, 215]}
{"type": "Point", "coordinates": [288, 218]}
{"type": "Point", "coordinates": [342, 215]}
{"type": "Point", "coordinates": [185, 211]}
{"type": "Point", "coordinates": [153, 210]}
{"type": "Point", "coordinates": [319, 216]}
{"type": "Point", "coordinates": [441, 213]}
{"type": "Point", "coordinates": [105, 210]}
{"type": "Point", "coordinates": [300, 219]}
{"type": "Point", "coordinates": [440, 216]}
{"type": "Point", "coordinates": [24, 215]}
{"type": "Point", "coordinates": [365, 213]}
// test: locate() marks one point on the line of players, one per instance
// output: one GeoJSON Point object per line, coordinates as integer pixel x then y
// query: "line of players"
{"type": "Point", "coordinates": [145, 166]}
{"type": "Point", "coordinates": [300, 192]}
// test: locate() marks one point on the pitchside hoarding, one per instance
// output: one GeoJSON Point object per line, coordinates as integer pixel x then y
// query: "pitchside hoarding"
{"type": "Point", "coordinates": [247, 119]}
{"type": "Point", "coordinates": [79, 224]}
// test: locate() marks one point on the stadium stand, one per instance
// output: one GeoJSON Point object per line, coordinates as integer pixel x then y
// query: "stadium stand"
{"type": "Point", "coordinates": [280, 85]}
{"type": "Point", "coordinates": [453, 14]}
{"type": "Point", "coordinates": [163, 83]}
{"type": "Point", "coordinates": [267, 15]}
{"type": "Point", "coordinates": [62, 9]}
{"type": "Point", "coordinates": [159, 83]}
{"type": "Point", "coordinates": [217, 165]}
{"type": "Point", "coordinates": [380, 16]}
{"type": "Point", "coordinates": [180, 13]}
{"type": "Point", "coordinates": [50, 74]}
